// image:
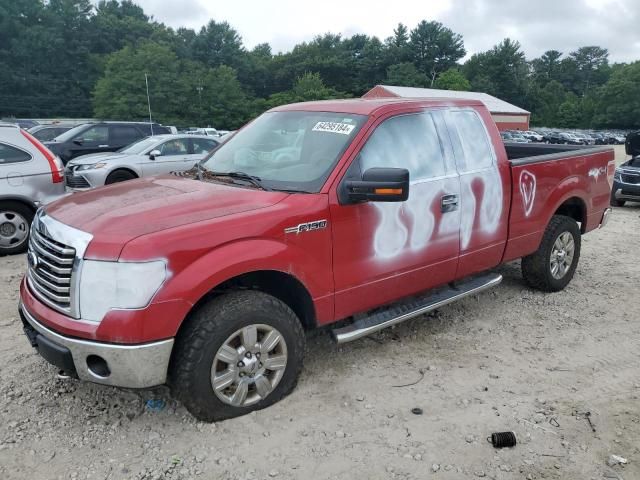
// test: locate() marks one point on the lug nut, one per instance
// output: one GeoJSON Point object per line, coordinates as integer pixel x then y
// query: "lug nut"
{"type": "Point", "coordinates": [248, 355]}
{"type": "Point", "coordinates": [241, 364]}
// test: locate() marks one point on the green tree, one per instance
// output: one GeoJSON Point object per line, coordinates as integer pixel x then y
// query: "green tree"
{"type": "Point", "coordinates": [501, 71]}
{"type": "Point", "coordinates": [547, 67]}
{"type": "Point", "coordinates": [619, 99]}
{"type": "Point", "coordinates": [306, 88]}
{"type": "Point", "coordinates": [181, 91]}
{"type": "Point", "coordinates": [452, 79]}
{"type": "Point", "coordinates": [397, 46]}
{"type": "Point", "coordinates": [217, 44]}
{"type": "Point", "coordinates": [435, 48]}
{"type": "Point", "coordinates": [406, 75]}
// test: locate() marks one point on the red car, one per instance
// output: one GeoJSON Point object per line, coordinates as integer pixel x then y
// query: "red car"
{"type": "Point", "coordinates": [372, 211]}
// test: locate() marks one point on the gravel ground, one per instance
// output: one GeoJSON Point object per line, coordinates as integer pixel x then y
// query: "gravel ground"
{"type": "Point", "coordinates": [508, 359]}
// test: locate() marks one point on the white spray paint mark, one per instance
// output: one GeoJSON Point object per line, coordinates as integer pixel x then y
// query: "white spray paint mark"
{"type": "Point", "coordinates": [596, 172]}
{"type": "Point", "coordinates": [528, 191]}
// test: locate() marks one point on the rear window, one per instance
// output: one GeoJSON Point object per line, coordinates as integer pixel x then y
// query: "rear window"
{"type": "Point", "coordinates": [9, 154]}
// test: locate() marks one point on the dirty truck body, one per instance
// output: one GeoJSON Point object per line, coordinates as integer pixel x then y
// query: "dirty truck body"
{"type": "Point", "coordinates": [373, 211]}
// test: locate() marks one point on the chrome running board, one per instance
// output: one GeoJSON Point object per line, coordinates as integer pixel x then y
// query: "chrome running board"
{"type": "Point", "coordinates": [413, 307]}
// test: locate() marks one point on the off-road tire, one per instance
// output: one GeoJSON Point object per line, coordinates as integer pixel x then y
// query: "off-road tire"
{"type": "Point", "coordinates": [119, 176]}
{"type": "Point", "coordinates": [208, 328]}
{"type": "Point", "coordinates": [536, 268]}
{"type": "Point", "coordinates": [24, 211]}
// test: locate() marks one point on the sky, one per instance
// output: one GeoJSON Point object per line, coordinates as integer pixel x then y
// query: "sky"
{"type": "Point", "coordinates": [539, 25]}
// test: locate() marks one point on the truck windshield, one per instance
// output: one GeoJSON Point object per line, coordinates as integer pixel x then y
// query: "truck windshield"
{"type": "Point", "coordinates": [291, 150]}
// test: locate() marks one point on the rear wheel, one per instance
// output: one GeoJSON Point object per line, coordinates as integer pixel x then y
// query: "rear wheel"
{"type": "Point", "coordinates": [15, 220]}
{"type": "Point", "coordinates": [119, 176]}
{"type": "Point", "coordinates": [240, 352]}
{"type": "Point", "coordinates": [553, 265]}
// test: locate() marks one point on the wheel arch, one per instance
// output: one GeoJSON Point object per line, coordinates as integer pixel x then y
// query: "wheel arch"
{"type": "Point", "coordinates": [283, 286]}
{"type": "Point", "coordinates": [123, 169]}
{"type": "Point", "coordinates": [574, 207]}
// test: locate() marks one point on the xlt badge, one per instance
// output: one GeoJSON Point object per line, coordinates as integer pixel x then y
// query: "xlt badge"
{"type": "Point", "coordinates": [307, 227]}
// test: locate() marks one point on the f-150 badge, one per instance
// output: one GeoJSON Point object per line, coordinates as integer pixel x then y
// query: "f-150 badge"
{"type": "Point", "coordinates": [307, 227]}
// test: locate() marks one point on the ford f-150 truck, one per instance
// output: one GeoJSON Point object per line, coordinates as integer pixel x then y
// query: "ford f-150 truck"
{"type": "Point", "coordinates": [368, 212]}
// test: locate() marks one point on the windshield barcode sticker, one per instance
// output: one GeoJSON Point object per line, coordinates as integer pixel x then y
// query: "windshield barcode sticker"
{"type": "Point", "coordinates": [334, 127]}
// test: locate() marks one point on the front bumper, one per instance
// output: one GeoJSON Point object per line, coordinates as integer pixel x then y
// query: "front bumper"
{"type": "Point", "coordinates": [626, 191]}
{"type": "Point", "coordinates": [131, 366]}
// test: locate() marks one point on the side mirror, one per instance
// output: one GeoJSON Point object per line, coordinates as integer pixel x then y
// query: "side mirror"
{"type": "Point", "coordinates": [380, 185]}
{"type": "Point", "coordinates": [154, 153]}
{"type": "Point", "coordinates": [79, 141]}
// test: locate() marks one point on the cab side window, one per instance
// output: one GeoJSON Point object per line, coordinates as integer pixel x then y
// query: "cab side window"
{"type": "Point", "coordinates": [472, 145]}
{"type": "Point", "coordinates": [10, 154]}
{"type": "Point", "coordinates": [406, 141]}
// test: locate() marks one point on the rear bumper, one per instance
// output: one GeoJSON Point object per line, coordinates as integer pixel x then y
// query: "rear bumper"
{"type": "Point", "coordinates": [131, 366]}
{"type": "Point", "coordinates": [605, 217]}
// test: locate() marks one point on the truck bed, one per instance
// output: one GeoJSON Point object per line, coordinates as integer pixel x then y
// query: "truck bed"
{"type": "Point", "coordinates": [523, 153]}
{"type": "Point", "coordinates": [545, 177]}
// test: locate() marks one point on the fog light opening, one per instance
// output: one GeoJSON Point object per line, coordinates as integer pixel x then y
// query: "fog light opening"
{"type": "Point", "coordinates": [98, 366]}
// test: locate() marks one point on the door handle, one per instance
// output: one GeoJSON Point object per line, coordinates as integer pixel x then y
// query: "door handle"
{"type": "Point", "coordinates": [102, 146]}
{"type": "Point", "coordinates": [449, 203]}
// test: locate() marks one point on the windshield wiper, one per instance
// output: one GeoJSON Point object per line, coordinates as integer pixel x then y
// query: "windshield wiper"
{"type": "Point", "coordinates": [252, 179]}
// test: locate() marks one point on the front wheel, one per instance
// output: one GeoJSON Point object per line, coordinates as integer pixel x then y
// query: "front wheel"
{"type": "Point", "coordinates": [240, 352]}
{"type": "Point", "coordinates": [552, 266]}
{"type": "Point", "coordinates": [15, 221]}
{"type": "Point", "coordinates": [119, 176]}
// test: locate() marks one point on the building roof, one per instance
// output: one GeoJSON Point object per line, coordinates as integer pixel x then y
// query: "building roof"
{"type": "Point", "coordinates": [493, 104]}
{"type": "Point", "coordinates": [367, 106]}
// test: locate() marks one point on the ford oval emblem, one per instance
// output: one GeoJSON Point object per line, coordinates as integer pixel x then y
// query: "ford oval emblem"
{"type": "Point", "coordinates": [32, 258]}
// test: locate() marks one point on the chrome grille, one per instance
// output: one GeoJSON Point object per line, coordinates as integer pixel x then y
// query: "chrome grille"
{"type": "Point", "coordinates": [631, 178]}
{"type": "Point", "coordinates": [50, 269]}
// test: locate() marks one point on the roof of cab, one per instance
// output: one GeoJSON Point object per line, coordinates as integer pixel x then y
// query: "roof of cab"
{"type": "Point", "coordinates": [363, 106]}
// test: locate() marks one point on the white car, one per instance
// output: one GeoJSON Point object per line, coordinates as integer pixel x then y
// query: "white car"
{"type": "Point", "coordinates": [150, 156]}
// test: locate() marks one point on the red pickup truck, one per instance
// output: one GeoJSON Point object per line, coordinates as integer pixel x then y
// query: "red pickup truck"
{"type": "Point", "coordinates": [368, 211]}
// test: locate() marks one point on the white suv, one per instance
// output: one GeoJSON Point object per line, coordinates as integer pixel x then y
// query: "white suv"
{"type": "Point", "coordinates": [30, 176]}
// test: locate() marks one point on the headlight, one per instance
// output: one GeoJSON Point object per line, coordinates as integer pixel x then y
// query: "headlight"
{"type": "Point", "coordinates": [91, 166]}
{"type": "Point", "coordinates": [117, 285]}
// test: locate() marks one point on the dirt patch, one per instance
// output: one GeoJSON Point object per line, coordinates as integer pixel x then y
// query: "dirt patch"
{"type": "Point", "coordinates": [509, 359]}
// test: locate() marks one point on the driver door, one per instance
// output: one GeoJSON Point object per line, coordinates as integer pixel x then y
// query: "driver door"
{"type": "Point", "coordinates": [173, 156]}
{"type": "Point", "coordinates": [386, 251]}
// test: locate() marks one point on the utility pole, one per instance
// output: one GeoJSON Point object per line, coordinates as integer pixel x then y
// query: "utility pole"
{"type": "Point", "coordinates": [199, 88]}
{"type": "Point", "coordinates": [146, 81]}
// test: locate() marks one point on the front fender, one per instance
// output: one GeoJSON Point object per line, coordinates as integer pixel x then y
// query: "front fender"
{"type": "Point", "coordinates": [236, 258]}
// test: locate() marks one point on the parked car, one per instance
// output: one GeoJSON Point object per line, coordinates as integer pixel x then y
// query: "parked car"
{"type": "Point", "coordinates": [360, 210]}
{"type": "Point", "coordinates": [552, 137]}
{"type": "Point", "coordinates": [46, 133]}
{"type": "Point", "coordinates": [626, 181]}
{"type": "Point", "coordinates": [149, 156]}
{"type": "Point", "coordinates": [212, 132]}
{"type": "Point", "coordinates": [600, 138]}
{"type": "Point", "coordinates": [532, 136]}
{"type": "Point", "coordinates": [101, 137]}
{"type": "Point", "coordinates": [584, 138]}
{"type": "Point", "coordinates": [22, 122]}
{"type": "Point", "coordinates": [510, 137]}
{"type": "Point", "coordinates": [30, 176]}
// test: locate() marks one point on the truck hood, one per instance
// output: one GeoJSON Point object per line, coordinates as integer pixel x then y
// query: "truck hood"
{"type": "Point", "coordinates": [95, 158]}
{"type": "Point", "coordinates": [118, 213]}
